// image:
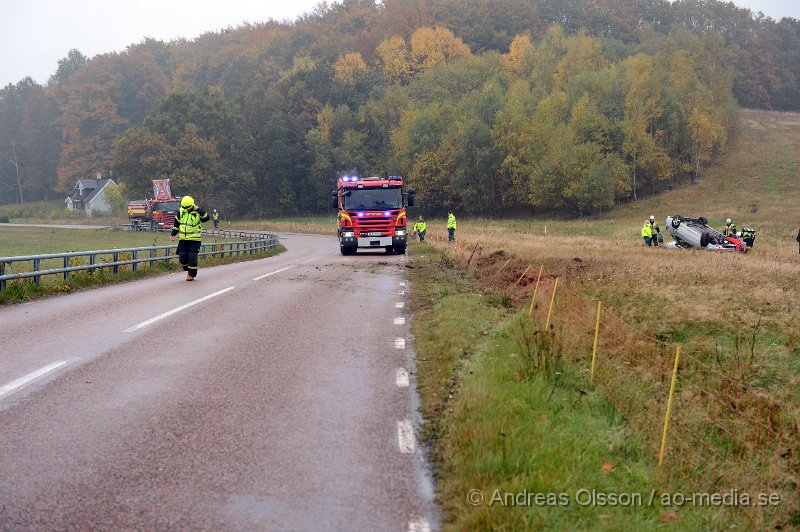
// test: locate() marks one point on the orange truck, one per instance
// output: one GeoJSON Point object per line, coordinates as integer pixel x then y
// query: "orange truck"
{"type": "Point", "coordinates": [372, 213]}
{"type": "Point", "coordinates": [155, 214]}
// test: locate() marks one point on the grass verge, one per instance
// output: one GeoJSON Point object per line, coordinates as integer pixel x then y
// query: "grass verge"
{"type": "Point", "coordinates": [506, 417]}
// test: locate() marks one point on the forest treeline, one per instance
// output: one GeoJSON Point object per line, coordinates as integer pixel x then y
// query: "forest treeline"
{"type": "Point", "coordinates": [488, 106]}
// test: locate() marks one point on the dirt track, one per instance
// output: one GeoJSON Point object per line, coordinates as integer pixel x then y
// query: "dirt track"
{"type": "Point", "coordinates": [274, 404]}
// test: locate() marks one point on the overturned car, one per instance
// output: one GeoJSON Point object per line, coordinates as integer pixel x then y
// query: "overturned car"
{"type": "Point", "coordinates": [695, 233]}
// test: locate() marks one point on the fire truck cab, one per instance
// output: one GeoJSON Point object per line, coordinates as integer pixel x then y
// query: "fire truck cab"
{"type": "Point", "coordinates": [372, 213]}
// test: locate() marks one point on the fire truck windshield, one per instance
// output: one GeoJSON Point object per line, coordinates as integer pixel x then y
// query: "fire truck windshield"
{"type": "Point", "coordinates": [165, 206]}
{"type": "Point", "coordinates": [373, 198]}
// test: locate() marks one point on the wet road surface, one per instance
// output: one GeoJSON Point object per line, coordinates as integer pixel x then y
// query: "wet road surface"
{"type": "Point", "coordinates": [266, 395]}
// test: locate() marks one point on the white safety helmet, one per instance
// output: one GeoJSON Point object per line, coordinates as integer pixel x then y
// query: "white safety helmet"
{"type": "Point", "coordinates": [728, 221]}
{"type": "Point", "coordinates": [652, 218]}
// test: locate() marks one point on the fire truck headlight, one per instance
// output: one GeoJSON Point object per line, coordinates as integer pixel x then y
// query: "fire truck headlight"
{"type": "Point", "coordinates": [348, 234]}
{"type": "Point", "coordinates": [400, 232]}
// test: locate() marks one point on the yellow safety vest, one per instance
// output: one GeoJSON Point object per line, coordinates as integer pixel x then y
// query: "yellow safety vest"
{"type": "Point", "coordinates": [647, 230]}
{"type": "Point", "coordinates": [420, 226]}
{"type": "Point", "coordinates": [190, 228]}
{"type": "Point", "coordinates": [451, 221]}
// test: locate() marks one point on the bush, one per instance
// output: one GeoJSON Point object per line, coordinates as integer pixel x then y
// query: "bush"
{"type": "Point", "coordinates": [3, 219]}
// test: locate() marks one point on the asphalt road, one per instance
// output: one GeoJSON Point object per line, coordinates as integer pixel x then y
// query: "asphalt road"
{"type": "Point", "coordinates": [280, 402]}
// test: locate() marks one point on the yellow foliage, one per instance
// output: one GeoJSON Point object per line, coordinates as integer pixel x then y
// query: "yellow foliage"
{"type": "Point", "coordinates": [584, 54]}
{"type": "Point", "coordinates": [520, 45]}
{"type": "Point", "coordinates": [349, 67]}
{"type": "Point", "coordinates": [324, 121]}
{"type": "Point", "coordinates": [394, 59]}
{"type": "Point", "coordinates": [433, 46]}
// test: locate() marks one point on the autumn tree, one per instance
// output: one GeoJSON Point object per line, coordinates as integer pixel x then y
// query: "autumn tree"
{"type": "Point", "coordinates": [394, 59]}
{"type": "Point", "coordinates": [349, 68]}
{"type": "Point", "coordinates": [519, 46]}
{"type": "Point", "coordinates": [434, 46]}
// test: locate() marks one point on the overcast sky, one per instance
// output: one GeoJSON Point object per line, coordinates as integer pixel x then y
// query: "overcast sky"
{"type": "Point", "coordinates": [37, 33]}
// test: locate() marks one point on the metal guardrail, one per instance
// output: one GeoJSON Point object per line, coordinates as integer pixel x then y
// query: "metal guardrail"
{"type": "Point", "coordinates": [254, 243]}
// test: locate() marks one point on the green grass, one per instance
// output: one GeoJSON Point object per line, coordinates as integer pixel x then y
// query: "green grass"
{"type": "Point", "coordinates": [39, 240]}
{"type": "Point", "coordinates": [506, 417]}
{"type": "Point", "coordinates": [53, 211]}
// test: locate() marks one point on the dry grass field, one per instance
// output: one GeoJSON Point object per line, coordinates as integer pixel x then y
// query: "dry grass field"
{"type": "Point", "coordinates": [703, 300]}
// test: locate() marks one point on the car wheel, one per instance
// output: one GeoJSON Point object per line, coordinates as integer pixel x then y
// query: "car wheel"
{"type": "Point", "coordinates": [676, 222]}
{"type": "Point", "coordinates": [703, 220]}
{"type": "Point", "coordinates": [704, 238]}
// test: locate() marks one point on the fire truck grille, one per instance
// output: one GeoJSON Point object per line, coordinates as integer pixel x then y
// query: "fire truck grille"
{"type": "Point", "coordinates": [374, 224]}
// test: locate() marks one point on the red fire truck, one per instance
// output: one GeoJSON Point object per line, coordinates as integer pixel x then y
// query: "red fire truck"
{"type": "Point", "coordinates": [372, 213]}
{"type": "Point", "coordinates": [155, 214]}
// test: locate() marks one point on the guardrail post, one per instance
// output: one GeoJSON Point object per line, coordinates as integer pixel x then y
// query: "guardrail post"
{"type": "Point", "coordinates": [37, 278]}
{"type": "Point", "coordinates": [114, 259]}
{"type": "Point", "coordinates": [2, 273]}
{"type": "Point", "coordinates": [135, 264]}
{"type": "Point", "coordinates": [152, 255]}
{"type": "Point", "coordinates": [66, 265]}
{"type": "Point", "coordinates": [91, 262]}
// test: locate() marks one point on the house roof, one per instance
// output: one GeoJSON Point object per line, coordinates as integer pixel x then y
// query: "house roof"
{"type": "Point", "coordinates": [92, 187]}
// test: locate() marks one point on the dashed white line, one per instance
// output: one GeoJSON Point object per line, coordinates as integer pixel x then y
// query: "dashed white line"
{"type": "Point", "coordinates": [402, 377]}
{"type": "Point", "coordinates": [176, 310]}
{"type": "Point", "coordinates": [405, 436]}
{"type": "Point", "coordinates": [309, 260]}
{"type": "Point", "coordinates": [399, 304]}
{"type": "Point", "coordinates": [402, 283]}
{"type": "Point", "coordinates": [30, 377]}
{"type": "Point", "coordinates": [400, 343]}
{"type": "Point", "coordinates": [272, 273]}
{"type": "Point", "coordinates": [419, 525]}
{"type": "Point", "coordinates": [401, 293]}
{"type": "Point", "coordinates": [400, 321]}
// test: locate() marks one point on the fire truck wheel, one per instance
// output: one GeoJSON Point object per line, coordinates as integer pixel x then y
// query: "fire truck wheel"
{"type": "Point", "coordinates": [400, 250]}
{"type": "Point", "coordinates": [389, 249]}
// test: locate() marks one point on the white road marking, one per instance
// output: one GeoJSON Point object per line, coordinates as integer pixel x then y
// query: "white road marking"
{"type": "Point", "coordinates": [30, 377]}
{"type": "Point", "coordinates": [419, 524]}
{"type": "Point", "coordinates": [400, 321]}
{"type": "Point", "coordinates": [176, 310]}
{"type": "Point", "coordinates": [401, 293]}
{"type": "Point", "coordinates": [405, 436]}
{"type": "Point", "coordinates": [402, 378]}
{"type": "Point", "coordinates": [272, 273]}
{"type": "Point", "coordinates": [309, 260]}
{"type": "Point", "coordinates": [400, 343]}
{"type": "Point", "coordinates": [402, 283]}
{"type": "Point", "coordinates": [399, 304]}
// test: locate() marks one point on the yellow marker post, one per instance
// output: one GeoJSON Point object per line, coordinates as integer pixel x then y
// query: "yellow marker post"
{"type": "Point", "coordinates": [501, 269]}
{"type": "Point", "coordinates": [530, 310]}
{"type": "Point", "coordinates": [669, 404]}
{"type": "Point", "coordinates": [552, 299]}
{"type": "Point", "coordinates": [523, 274]}
{"type": "Point", "coordinates": [594, 349]}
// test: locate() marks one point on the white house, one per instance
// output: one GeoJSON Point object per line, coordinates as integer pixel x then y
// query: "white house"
{"type": "Point", "coordinates": [90, 195]}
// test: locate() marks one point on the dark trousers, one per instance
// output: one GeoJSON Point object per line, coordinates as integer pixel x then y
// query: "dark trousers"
{"type": "Point", "coordinates": [187, 255]}
{"type": "Point", "coordinates": [216, 224]}
{"type": "Point", "coordinates": [451, 234]}
{"type": "Point", "coordinates": [422, 235]}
